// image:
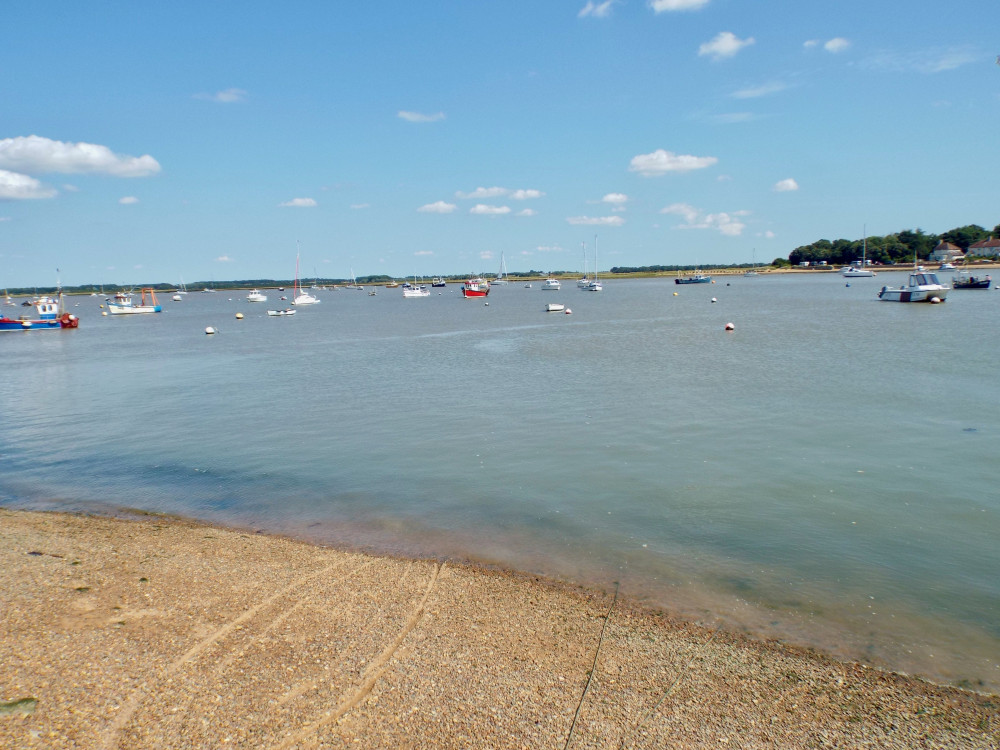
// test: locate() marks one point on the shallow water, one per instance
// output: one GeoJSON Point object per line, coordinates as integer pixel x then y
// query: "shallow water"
{"type": "Point", "coordinates": [824, 473]}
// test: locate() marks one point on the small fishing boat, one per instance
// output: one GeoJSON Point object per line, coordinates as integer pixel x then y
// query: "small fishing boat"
{"type": "Point", "coordinates": [49, 315]}
{"type": "Point", "coordinates": [123, 303]}
{"type": "Point", "coordinates": [256, 296]}
{"type": "Point", "coordinates": [966, 280]}
{"type": "Point", "coordinates": [696, 278]}
{"type": "Point", "coordinates": [477, 287]}
{"type": "Point", "coordinates": [415, 290]}
{"type": "Point", "coordinates": [922, 287]}
{"type": "Point", "coordinates": [551, 285]}
{"type": "Point", "coordinates": [438, 281]}
{"type": "Point", "coordinates": [280, 313]}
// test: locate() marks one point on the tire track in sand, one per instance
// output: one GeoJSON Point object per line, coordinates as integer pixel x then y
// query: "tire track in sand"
{"type": "Point", "coordinates": [375, 669]}
{"type": "Point", "coordinates": [129, 708]}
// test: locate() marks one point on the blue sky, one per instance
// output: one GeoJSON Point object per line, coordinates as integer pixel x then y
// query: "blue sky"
{"type": "Point", "coordinates": [149, 143]}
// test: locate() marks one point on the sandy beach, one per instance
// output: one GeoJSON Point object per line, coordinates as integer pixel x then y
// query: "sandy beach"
{"type": "Point", "coordinates": [164, 633]}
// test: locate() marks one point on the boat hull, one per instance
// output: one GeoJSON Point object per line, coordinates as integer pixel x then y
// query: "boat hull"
{"type": "Point", "coordinates": [694, 280]}
{"type": "Point", "coordinates": [36, 324]}
{"type": "Point", "coordinates": [972, 283]}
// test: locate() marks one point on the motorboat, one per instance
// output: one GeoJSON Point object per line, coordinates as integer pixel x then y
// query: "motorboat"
{"type": "Point", "coordinates": [923, 286]}
{"type": "Point", "coordinates": [966, 280]}
{"type": "Point", "coordinates": [551, 285]}
{"type": "Point", "coordinates": [49, 315]}
{"type": "Point", "coordinates": [438, 281]}
{"type": "Point", "coordinates": [280, 313]}
{"type": "Point", "coordinates": [177, 298]}
{"type": "Point", "coordinates": [696, 278]}
{"type": "Point", "coordinates": [123, 303]}
{"type": "Point", "coordinates": [477, 287]}
{"type": "Point", "coordinates": [555, 307]}
{"type": "Point", "coordinates": [256, 296]}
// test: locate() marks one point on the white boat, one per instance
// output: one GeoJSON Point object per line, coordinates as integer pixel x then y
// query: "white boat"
{"type": "Point", "coordinates": [859, 270]}
{"type": "Point", "coordinates": [6, 298]}
{"type": "Point", "coordinates": [552, 285]}
{"type": "Point", "coordinates": [555, 307]}
{"type": "Point", "coordinates": [123, 303]}
{"type": "Point", "coordinates": [182, 289]}
{"type": "Point", "coordinates": [752, 271]}
{"type": "Point", "coordinates": [280, 313]}
{"type": "Point", "coordinates": [584, 281]}
{"type": "Point", "coordinates": [299, 295]}
{"type": "Point", "coordinates": [923, 286]}
{"type": "Point", "coordinates": [595, 283]}
{"type": "Point", "coordinates": [501, 279]}
{"type": "Point", "coordinates": [415, 290]}
{"type": "Point", "coordinates": [177, 298]}
{"type": "Point", "coordinates": [256, 296]}
{"type": "Point", "coordinates": [948, 267]}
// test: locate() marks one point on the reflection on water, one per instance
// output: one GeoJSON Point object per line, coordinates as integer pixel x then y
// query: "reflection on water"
{"type": "Point", "coordinates": [821, 473]}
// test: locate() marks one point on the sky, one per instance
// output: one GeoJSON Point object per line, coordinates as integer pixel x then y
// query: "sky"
{"type": "Point", "coordinates": [193, 141]}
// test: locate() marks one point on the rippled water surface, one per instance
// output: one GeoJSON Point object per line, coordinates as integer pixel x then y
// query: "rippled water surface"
{"type": "Point", "coordinates": [825, 473]}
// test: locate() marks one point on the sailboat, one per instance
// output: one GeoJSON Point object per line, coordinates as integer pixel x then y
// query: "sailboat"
{"type": "Point", "coordinates": [752, 271]}
{"type": "Point", "coordinates": [595, 285]}
{"type": "Point", "coordinates": [584, 281]}
{"type": "Point", "coordinates": [855, 271]}
{"type": "Point", "coordinates": [299, 295]}
{"type": "Point", "coordinates": [501, 279]}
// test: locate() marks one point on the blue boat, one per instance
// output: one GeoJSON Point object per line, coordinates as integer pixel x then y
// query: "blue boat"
{"type": "Point", "coordinates": [49, 316]}
{"type": "Point", "coordinates": [698, 278]}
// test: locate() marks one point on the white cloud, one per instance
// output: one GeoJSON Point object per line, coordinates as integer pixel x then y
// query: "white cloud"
{"type": "Point", "coordinates": [486, 255]}
{"type": "Point", "coordinates": [599, 221]}
{"type": "Point", "coordinates": [17, 187]}
{"type": "Point", "coordinates": [299, 203]}
{"type": "Point", "coordinates": [838, 44]}
{"type": "Point", "coordinates": [360, 206]}
{"type": "Point", "coordinates": [70, 188]}
{"type": "Point", "coordinates": [664, 6]}
{"type": "Point", "coordinates": [728, 224]}
{"type": "Point", "coordinates": [418, 117]}
{"type": "Point", "coordinates": [725, 44]}
{"type": "Point", "coordinates": [660, 162]}
{"type": "Point", "coordinates": [732, 118]}
{"type": "Point", "coordinates": [615, 199]}
{"type": "Point", "coordinates": [482, 209]}
{"type": "Point", "coordinates": [928, 62]}
{"type": "Point", "coordinates": [785, 186]}
{"type": "Point", "coordinates": [596, 10]}
{"type": "Point", "coordinates": [226, 96]}
{"type": "Point", "coordinates": [480, 193]}
{"type": "Point", "coordinates": [439, 207]}
{"type": "Point", "coordinates": [549, 249]}
{"type": "Point", "coordinates": [753, 92]}
{"type": "Point", "coordinates": [36, 155]}
{"type": "Point", "coordinates": [527, 212]}
{"type": "Point", "coordinates": [128, 200]}
{"type": "Point", "coordinates": [223, 259]}
{"type": "Point", "coordinates": [809, 44]}
{"type": "Point", "coordinates": [523, 195]}
{"type": "Point", "coordinates": [423, 253]}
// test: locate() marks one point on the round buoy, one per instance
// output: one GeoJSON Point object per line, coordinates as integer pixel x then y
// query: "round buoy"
{"type": "Point", "coordinates": [486, 304]}
{"type": "Point", "coordinates": [935, 300]}
{"type": "Point", "coordinates": [847, 284]}
{"type": "Point", "coordinates": [675, 294]}
{"type": "Point", "coordinates": [714, 299]}
{"type": "Point", "coordinates": [101, 307]}
{"type": "Point", "coordinates": [105, 313]}
{"type": "Point", "coordinates": [209, 330]}
{"type": "Point", "coordinates": [239, 316]}
{"type": "Point", "coordinates": [730, 327]}
{"type": "Point", "coordinates": [568, 311]}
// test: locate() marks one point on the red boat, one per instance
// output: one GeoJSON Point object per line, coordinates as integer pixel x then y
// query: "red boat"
{"type": "Point", "coordinates": [477, 287]}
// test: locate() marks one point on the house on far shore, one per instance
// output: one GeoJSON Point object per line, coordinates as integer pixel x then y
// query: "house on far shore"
{"type": "Point", "coordinates": [945, 252]}
{"type": "Point", "coordinates": [986, 248]}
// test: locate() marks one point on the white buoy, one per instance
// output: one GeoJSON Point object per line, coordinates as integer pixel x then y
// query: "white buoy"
{"type": "Point", "coordinates": [568, 311]}
{"type": "Point", "coordinates": [104, 313]}
{"type": "Point", "coordinates": [209, 330]}
{"type": "Point", "coordinates": [486, 304]}
{"type": "Point", "coordinates": [714, 299]}
{"type": "Point", "coordinates": [675, 294]}
{"type": "Point", "coordinates": [935, 300]}
{"type": "Point", "coordinates": [730, 327]}
{"type": "Point", "coordinates": [239, 316]}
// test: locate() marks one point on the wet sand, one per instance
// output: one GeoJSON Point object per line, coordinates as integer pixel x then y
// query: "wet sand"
{"type": "Point", "coordinates": [163, 633]}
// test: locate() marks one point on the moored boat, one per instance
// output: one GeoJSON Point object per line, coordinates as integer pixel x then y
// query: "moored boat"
{"type": "Point", "coordinates": [49, 315]}
{"type": "Point", "coordinates": [555, 307]}
{"type": "Point", "coordinates": [256, 296]}
{"type": "Point", "coordinates": [437, 281]}
{"type": "Point", "coordinates": [966, 280]}
{"type": "Point", "coordinates": [280, 313]}
{"type": "Point", "coordinates": [697, 278]}
{"type": "Point", "coordinates": [551, 285]}
{"type": "Point", "coordinates": [477, 287]}
{"type": "Point", "coordinates": [922, 286]}
{"type": "Point", "coordinates": [123, 303]}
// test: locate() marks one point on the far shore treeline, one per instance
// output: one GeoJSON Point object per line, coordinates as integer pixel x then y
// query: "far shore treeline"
{"type": "Point", "coordinates": [900, 247]}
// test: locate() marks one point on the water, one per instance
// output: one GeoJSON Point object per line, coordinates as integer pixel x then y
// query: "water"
{"type": "Point", "coordinates": [823, 474]}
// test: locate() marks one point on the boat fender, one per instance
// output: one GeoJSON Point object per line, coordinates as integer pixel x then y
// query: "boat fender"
{"type": "Point", "coordinates": [209, 330]}
{"type": "Point", "coordinates": [239, 316]}
{"type": "Point", "coordinates": [568, 311]}
{"type": "Point", "coordinates": [935, 300]}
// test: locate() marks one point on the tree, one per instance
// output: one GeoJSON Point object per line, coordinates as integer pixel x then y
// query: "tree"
{"type": "Point", "coordinates": [965, 236]}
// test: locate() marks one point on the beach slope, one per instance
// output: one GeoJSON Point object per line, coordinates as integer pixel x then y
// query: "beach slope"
{"type": "Point", "coordinates": [162, 633]}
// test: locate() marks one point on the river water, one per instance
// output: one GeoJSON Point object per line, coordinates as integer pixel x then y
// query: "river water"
{"type": "Point", "coordinates": [825, 473]}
